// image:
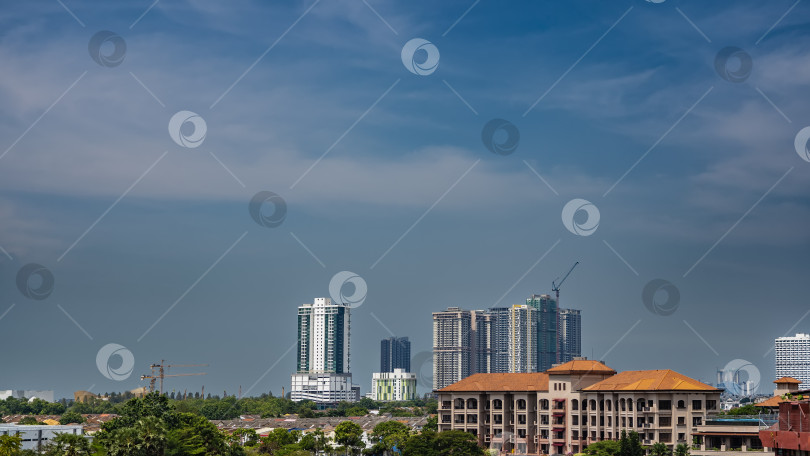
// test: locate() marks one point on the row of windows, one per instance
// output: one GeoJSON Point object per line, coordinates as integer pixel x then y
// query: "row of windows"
{"type": "Point", "coordinates": [624, 405]}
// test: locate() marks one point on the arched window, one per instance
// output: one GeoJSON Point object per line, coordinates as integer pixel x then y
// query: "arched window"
{"type": "Point", "coordinates": [459, 403]}
{"type": "Point", "coordinates": [622, 404]}
{"type": "Point", "coordinates": [593, 404]}
{"type": "Point", "coordinates": [640, 404]}
{"type": "Point", "coordinates": [681, 404]}
{"type": "Point", "coordinates": [497, 404]}
{"type": "Point", "coordinates": [630, 405]}
{"type": "Point", "coordinates": [543, 404]}
{"type": "Point", "coordinates": [607, 403]}
{"type": "Point", "coordinates": [574, 404]}
{"type": "Point", "coordinates": [472, 403]}
{"type": "Point", "coordinates": [521, 404]}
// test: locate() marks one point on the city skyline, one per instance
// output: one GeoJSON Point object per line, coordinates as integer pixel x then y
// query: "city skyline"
{"type": "Point", "coordinates": [176, 178]}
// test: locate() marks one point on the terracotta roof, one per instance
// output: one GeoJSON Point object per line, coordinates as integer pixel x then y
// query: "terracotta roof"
{"type": "Point", "coordinates": [581, 366]}
{"type": "Point", "coordinates": [500, 382]}
{"type": "Point", "coordinates": [771, 402]}
{"type": "Point", "coordinates": [787, 380]}
{"type": "Point", "coordinates": [650, 380]}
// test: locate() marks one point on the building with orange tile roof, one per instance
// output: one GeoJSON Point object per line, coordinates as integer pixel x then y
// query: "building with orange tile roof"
{"type": "Point", "coordinates": [572, 405]}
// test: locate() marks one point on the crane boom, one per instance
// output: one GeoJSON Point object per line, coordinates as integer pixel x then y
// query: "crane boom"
{"type": "Point", "coordinates": [555, 287]}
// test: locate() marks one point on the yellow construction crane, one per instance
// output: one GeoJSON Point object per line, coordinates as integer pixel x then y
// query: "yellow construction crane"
{"type": "Point", "coordinates": [161, 373]}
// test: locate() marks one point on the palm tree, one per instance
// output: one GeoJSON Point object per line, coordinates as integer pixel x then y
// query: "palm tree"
{"type": "Point", "coordinates": [68, 445]}
{"type": "Point", "coordinates": [152, 433]}
{"type": "Point", "coordinates": [659, 449]}
{"type": "Point", "coordinates": [10, 445]}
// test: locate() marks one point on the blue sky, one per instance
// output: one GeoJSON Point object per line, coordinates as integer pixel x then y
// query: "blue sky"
{"type": "Point", "coordinates": [405, 195]}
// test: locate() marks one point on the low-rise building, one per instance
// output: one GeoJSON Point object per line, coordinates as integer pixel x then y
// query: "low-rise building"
{"type": "Point", "coordinates": [575, 404]}
{"type": "Point", "coordinates": [45, 395]}
{"type": "Point", "coordinates": [35, 437]}
{"type": "Point", "coordinates": [731, 435]}
{"type": "Point", "coordinates": [790, 436]}
{"type": "Point", "coordinates": [398, 385]}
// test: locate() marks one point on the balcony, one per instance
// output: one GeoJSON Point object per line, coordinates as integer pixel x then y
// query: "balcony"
{"type": "Point", "coordinates": [648, 442]}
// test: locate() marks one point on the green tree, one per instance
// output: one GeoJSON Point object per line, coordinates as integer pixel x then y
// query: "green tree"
{"type": "Point", "coordinates": [432, 424]}
{"type": "Point", "coordinates": [249, 436]}
{"type": "Point", "coordinates": [659, 449]}
{"type": "Point", "coordinates": [349, 435]}
{"type": "Point", "coordinates": [29, 420]}
{"type": "Point", "coordinates": [458, 443]}
{"type": "Point", "coordinates": [422, 444]}
{"type": "Point", "coordinates": [681, 449]}
{"type": "Point", "coordinates": [10, 445]}
{"type": "Point", "coordinates": [65, 444]}
{"type": "Point", "coordinates": [389, 434]}
{"type": "Point", "coordinates": [634, 444]}
{"type": "Point", "coordinates": [71, 417]}
{"type": "Point", "coordinates": [604, 448]}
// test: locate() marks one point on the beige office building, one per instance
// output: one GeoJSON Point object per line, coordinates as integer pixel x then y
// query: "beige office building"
{"type": "Point", "coordinates": [574, 404]}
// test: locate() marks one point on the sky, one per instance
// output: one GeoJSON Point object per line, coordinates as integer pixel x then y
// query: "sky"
{"type": "Point", "coordinates": [182, 175]}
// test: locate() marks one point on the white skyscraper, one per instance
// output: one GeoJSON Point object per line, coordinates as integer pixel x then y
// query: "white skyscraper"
{"type": "Point", "coordinates": [522, 338]}
{"type": "Point", "coordinates": [322, 371]}
{"type": "Point", "coordinates": [793, 358]}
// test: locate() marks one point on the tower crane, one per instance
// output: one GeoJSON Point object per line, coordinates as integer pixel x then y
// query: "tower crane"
{"type": "Point", "coordinates": [555, 287]}
{"type": "Point", "coordinates": [161, 373]}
